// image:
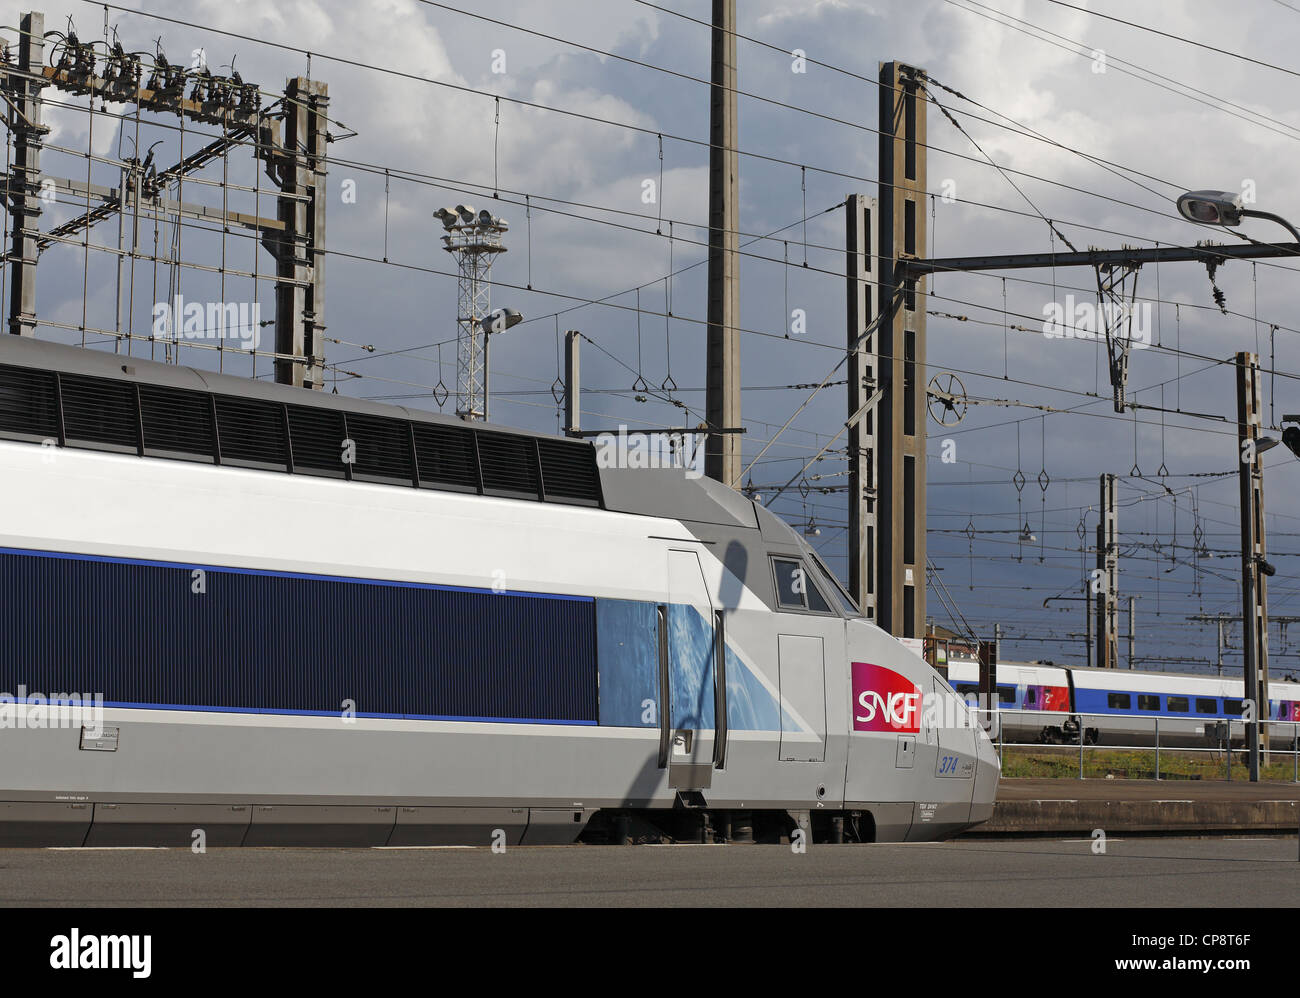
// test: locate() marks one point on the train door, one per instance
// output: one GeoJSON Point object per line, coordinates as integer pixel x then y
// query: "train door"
{"type": "Point", "coordinates": [801, 663]}
{"type": "Point", "coordinates": [690, 651]}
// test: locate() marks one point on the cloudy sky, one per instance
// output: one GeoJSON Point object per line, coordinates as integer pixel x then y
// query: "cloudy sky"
{"type": "Point", "coordinates": [1053, 82]}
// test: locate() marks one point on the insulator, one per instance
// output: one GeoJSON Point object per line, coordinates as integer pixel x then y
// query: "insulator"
{"type": "Point", "coordinates": [83, 58]}
{"type": "Point", "coordinates": [203, 85]}
{"type": "Point", "coordinates": [158, 77]}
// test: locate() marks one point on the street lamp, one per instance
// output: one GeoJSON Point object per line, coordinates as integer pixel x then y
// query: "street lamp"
{"type": "Point", "coordinates": [1224, 208]}
{"type": "Point", "coordinates": [496, 321]}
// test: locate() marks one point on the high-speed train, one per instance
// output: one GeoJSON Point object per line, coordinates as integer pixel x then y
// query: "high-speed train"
{"type": "Point", "coordinates": [238, 613]}
{"type": "Point", "coordinates": [1049, 704]}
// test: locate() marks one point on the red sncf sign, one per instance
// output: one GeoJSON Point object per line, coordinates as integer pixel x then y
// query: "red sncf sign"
{"type": "Point", "coordinates": [884, 701]}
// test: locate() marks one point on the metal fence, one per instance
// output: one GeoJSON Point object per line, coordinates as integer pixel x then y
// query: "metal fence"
{"type": "Point", "coordinates": [1227, 736]}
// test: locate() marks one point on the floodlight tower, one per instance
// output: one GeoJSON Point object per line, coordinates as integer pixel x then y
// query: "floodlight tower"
{"type": "Point", "coordinates": [474, 239]}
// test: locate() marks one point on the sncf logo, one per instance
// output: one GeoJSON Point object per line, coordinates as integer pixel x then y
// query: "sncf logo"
{"type": "Point", "coordinates": [884, 700]}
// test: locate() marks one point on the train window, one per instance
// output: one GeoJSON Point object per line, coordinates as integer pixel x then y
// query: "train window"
{"type": "Point", "coordinates": [1206, 706]}
{"type": "Point", "coordinates": [1148, 701]}
{"type": "Point", "coordinates": [1119, 701]}
{"type": "Point", "coordinates": [791, 584]}
{"type": "Point", "coordinates": [1179, 705]}
{"type": "Point", "coordinates": [837, 590]}
{"type": "Point", "coordinates": [795, 588]}
{"type": "Point", "coordinates": [967, 688]}
{"type": "Point", "coordinates": [1031, 695]}
{"type": "Point", "coordinates": [1232, 707]}
{"type": "Point", "coordinates": [816, 601]}
{"type": "Point", "coordinates": [1006, 694]}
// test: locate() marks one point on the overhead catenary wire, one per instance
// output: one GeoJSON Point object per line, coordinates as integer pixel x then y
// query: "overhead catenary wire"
{"type": "Point", "coordinates": [1044, 384]}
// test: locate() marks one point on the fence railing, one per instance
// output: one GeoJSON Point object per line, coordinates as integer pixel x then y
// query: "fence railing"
{"type": "Point", "coordinates": [1221, 737]}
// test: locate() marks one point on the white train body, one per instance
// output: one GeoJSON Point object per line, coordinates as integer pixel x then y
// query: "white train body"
{"type": "Point", "coordinates": [334, 655]}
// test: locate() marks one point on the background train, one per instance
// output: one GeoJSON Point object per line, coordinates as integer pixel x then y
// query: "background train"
{"type": "Point", "coordinates": [1049, 703]}
{"type": "Point", "coordinates": [310, 619]}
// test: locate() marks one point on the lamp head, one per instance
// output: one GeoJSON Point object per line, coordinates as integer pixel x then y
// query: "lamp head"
{"type": "Point", "coordinates": [500, 319]}
{"type": "Point", "coordinates": [1211, 207]}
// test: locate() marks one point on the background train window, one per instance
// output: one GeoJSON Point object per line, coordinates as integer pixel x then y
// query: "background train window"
{"type": "Point", "coordinates": [1031, 695]}
{"type": "Point", "coordinates": [966, 689]}
{"type": "Point", "coordinates": [1148, 701]}
{"type": "Point", "coordinates": [1006, 694]}
{"type": "Point", "coordinates": [791, 584]}
{"type": "Point", "coordinates": [1178, 705]}
{"type": "Point", "coordinates": [1206, 706]}
{"type": "Point", "coordinates": [1232, 707]}
{"type": "Point", "coordinates": [1119, 701]}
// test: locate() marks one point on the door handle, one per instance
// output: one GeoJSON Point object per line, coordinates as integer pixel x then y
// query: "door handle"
{"type": "Point", "coordinates": [719, 689]}
{"type": "Point", "coordinates": [665, 697]}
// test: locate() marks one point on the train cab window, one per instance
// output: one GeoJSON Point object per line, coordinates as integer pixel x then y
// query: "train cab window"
{"type": "Point", "coordinates": [1232, 708]}
{"type": "Point", "coordinates": [1179, 705]}
{"type": "Point", "coordinates": [795, 588]}
{"type": "Point", "coordinates": [1148, 701]}
{"type": "Point", "coordinates": [1206, 706]}
{"type": "Point", "coordinates": [790, 584]}
{"type": "Point", "coordinates": [816, 601]}
{"type": "Point", "coordinates": [1119, 701]}
{"type": "Point", "coordinates": [836, 590]}
{"type": "Point", "coordinates": [1006, 694]}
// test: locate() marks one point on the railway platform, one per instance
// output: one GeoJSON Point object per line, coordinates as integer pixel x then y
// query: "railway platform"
{"type": "Point", "coordinates": [1141, 807]}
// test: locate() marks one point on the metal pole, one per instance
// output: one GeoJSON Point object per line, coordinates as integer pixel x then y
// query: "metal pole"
{"type": "Point", "coordinates": [1081, 727]}
{"type": "Point", "coordinates": [901, 426]}
{"type": "Point", "coordinates": [1108, 566]}
{"type": "Point", "coordinates": [1220, 646]}
{"type": "Point", "coordinates": [25, 175]}
{"type": "Point", "coordinates": [863, 302]}
{"type": "Point", "coordinates": [1247, 438]}
{"type": "Point", "coordinates": [1157, 720]}
{"type": "Point", "coordinates": [572, 386]}
{"type": "Point", "coordinates": [300, 249]}
{"type": "Point", "coordinates": [487, 369]}
{"type": "Point", "coordinates": [1087, 616]}
{"type": "Point", "coordinates": [722, 362]}
{"type": "Point", "coordinates": [121, 235]}
{"type": "Point", "coordinates": [1131, 600]}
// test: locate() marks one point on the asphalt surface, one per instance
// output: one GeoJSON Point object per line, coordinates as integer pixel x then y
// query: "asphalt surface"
{"type": "Point", "coordinates": [1140, 872]}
